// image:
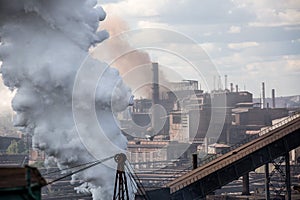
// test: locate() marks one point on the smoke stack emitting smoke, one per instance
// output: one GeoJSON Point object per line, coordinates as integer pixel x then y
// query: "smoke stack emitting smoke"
{"type": "Point", "coordinates": [43, 46]}
{"type": "Point", "coordinates": [136, 63]}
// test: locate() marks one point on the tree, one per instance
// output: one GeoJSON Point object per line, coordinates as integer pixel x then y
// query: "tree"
{"type": "Point", "coordinates": [16, 147]}
{"type": "Point", "coordinates": [13, 147]}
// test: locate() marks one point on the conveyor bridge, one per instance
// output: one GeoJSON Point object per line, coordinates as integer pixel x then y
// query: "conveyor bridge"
{"type": "Point", "coordinates": [270, 144]}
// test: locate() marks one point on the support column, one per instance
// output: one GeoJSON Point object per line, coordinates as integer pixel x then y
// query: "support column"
{"type": "Point", "coordinates": [267, 182]}
{"type": "Point", "coordinates": [288, 176]}
{"type": "Point", "coordinates": [246, 190]}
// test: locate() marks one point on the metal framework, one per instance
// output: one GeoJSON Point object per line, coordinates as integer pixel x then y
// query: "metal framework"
{"type": "Point", "coordinates": [272, 143]}
{"type": "Point", "coordinates": [121, 189]}
{"type": "Point", "coordinates": [279, 179]}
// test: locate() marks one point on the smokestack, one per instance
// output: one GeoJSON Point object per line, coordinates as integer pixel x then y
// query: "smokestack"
{"type": "Point", "coordinates": [153, 130]}
{"type": "Point", "coordinates": [155, 84]}
{"type": "Point", "coordinates": [263, 103]}
{"type": "Point", "coordinates": [225, 82]}
{"type": "Point", "coordinates": [231, 87]}
{"type": "Point", "coordinates": [236, 88]}
{"type": "Point", "coordinates": [273, 98]}
{"type": "Point", "coordinates": [214, 82]}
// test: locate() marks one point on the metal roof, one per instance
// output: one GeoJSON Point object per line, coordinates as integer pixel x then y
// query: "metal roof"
{"type": "Point", "coordinates": [15, 177]}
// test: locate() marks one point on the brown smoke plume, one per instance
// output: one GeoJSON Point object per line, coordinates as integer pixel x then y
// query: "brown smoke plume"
{"type": "Point", "coordinates": [135, 67]}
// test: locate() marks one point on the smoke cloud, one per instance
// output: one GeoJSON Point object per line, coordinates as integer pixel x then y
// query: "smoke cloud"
{"type": "Point", "coordinates": [43, 46]}
{"type": "Point", "coordinates": [136, 63]}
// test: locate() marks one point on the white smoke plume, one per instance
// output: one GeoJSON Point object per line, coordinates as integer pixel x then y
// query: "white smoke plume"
{"type": "Point", "coordinates": [43, 44]}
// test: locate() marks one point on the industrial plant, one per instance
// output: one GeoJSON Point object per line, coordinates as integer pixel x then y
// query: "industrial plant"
{"type": "Point", "coordinates": [91, 116]}
{"type": "Point", "coordinates": [171, 134]}
{"type": "Point", "coordinates": [188, 118]}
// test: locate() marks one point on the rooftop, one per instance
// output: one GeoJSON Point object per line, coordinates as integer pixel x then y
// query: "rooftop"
{"type": "Point", "coordinates": [12, 177]}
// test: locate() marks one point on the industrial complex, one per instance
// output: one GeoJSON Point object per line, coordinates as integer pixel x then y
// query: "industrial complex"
{"type": "Point", "coordinates": [185, 143]}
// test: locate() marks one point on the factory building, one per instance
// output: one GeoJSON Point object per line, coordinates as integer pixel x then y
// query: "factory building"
{"type": "Point", "coordinates": [194, 119]}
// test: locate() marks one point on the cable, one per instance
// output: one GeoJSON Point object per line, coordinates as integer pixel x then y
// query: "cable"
{"type": "Point", "coordinates": [140, 188]}
{"type": "Point", "coordinates": [131, 176]}
{"type": "Point", "coordinates": [92, 165]}
{"type": "Point", "coordinates": [132, 182]}
{"type": "Point", "coordinates": [67, 168]}
{"type": "Point", "coordinates": [139, 183]}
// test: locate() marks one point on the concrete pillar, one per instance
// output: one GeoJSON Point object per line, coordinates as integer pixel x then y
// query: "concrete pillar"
{"type": "Point", "coordinates": [246, 190]}
{"type": "Point", "coordinates": [267, 182]}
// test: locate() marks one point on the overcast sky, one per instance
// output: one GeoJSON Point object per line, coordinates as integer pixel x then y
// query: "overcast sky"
{"type": "Point", "coordinates": [251, 41]}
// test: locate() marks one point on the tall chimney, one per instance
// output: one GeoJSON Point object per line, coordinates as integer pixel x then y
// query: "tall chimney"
{"type": "Point", "coordinates": [155, 120]}
{"type": "Point", "coordinates": [236, 88]}
{"type": "Point", "coordinates": [214, 83]}
{"type": "Point", "coordinates": [231, 87]}
{"type": "Point", "coordinates": [225, 82]}
{"type": "Point", "coordinates": [155, 84]}
{"type": "Point", "coordinates": [263, 103]}
{"type": "Point", "coordinates": [273, 98]}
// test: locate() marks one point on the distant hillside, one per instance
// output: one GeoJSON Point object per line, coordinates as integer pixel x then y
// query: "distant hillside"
{"type": "Point", "coordinates": [283, 102]}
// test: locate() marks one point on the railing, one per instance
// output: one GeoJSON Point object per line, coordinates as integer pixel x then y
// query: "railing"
{"type": "Point", "coordinates": [213, 157]}
{"type": "Point", "coordinates": [251, 138]}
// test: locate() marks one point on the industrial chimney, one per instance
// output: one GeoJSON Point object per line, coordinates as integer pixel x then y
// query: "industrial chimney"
{"type": "Point", "coordinates": [263, 102]}
{"type": "Point", "coordinates": [219, 83]}
{"type": "Point", "coordinates": [231, 87]}
{"type": "Point", "coordinates": [236, 88]}
{"type": "Point", "coordinates": [273, 98]}
{"type": "Point", "coordinates": [155, 110]}
{"type": "Point", "coordinates": [226, 82]}
{"type": "Point", "coordinates": [155, 84]}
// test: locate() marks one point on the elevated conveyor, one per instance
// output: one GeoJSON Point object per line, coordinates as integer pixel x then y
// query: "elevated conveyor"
{"type": "Point", "coordinates": [270, 144]}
